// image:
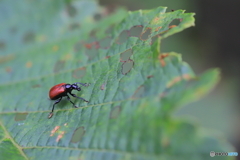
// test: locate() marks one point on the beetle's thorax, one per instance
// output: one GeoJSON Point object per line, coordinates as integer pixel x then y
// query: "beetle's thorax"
{"type": "Point", "coordinates": [68, 87]}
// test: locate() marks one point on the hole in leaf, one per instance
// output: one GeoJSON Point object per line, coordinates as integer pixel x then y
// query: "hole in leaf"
{"type": "Point", "coordinates": [123, 37]}
{"type": "Point", "coordinates": [91, 53]}
{"type": "Point", "coordinates": [105, 43]}
{"type": "Point", "coordinates": [97, 16]}
{"type": "Point", "coordinates": [127, 66]}
{"type": "Point", "coordinates": [139, 92]}
{"type": "Point", "coordinates": [20, 116]}
{"type": "Point", "coordinates": [29, 37]}
{"type": "Point", "coordinates": [79, 72]}
{"type": "Point", "coordinates": [146, 34]}
{"type": "Point", "coordinates": [109, 30]}
{"type": "Point", "coordinates": [174, 23]}
{"type": "Point", "coordinates": [115, 112]}
{"type": "Point", "coordinates": [125, 55]}
{"type": "Point", "coordinates": [78, 134]}
{"type": "Point", "coordinates": [93, 33]}
{"type": "Point", "coordinates": [71, 10]}
{"type": "Point", "coordinates": [59, 66]}
{"type": "Point", "coordinates": [136, 31]}
{"type": "Point", "coordinates": [154, 39]}
{"type": "Point", "coordinates": [2, 45]}
{"type": "Point", "coordinates": [74, 26]}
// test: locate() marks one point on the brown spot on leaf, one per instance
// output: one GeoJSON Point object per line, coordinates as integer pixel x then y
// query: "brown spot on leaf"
{"type": "Point", "coordinates": [78, 134]}
{"type": "Point", "coordinates": [59, 65]}
{"type": "Point", "coordinates": [8, 69]}
{"type": "Point", "coordinates": [107, 57]}
{"type": "Point", "coordinates": [6, 58]}
{"type": "Point", "coordinates": [157, 29]}
{"type": "Point", "coordinates": [115, 112]}
{"type": "Point", "coordinates": [139, 92]}
{"type": "Point", "coordinates": [54, 130]}
{"type": "Point", "coordinates": [156, 19]}
{"type": "Point", "coordinates": [28, 64]}
{"type": "Point", "coordinates": [174, 81]}
{"type": "Point", "coordinates": [178, 79]}
{"type": "Point", "coordinates": [125, 55]}
{"type": "Point", "coordinates": [103, 86]}
{"type": "Point", "coordinates": [187, 77]}
{"type": "Point", "coordinates": [172, 26]}
{"type": "Point", "coordinates": [127, 66]}
{"type": "Point", "coordinates": [136, 31]}
{"type": "Point", "coordinates": [146, 34]}
{"type": "Point", "coordinates": [60, 136]}
{"type": "Point", "coordinates": [150, 76]}
{"type": "Point", "coordinates": [161, 58]}
{"type": "Point", "coordinates": [79, 72]}
{"type": "Point", "coordinates": [88, 45]}
{"type": "Point", "coordinates": [20, 116]}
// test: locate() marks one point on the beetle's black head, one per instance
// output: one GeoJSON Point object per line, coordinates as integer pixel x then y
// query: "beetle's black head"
{"type": "Point", "coordinates": [70, 87]}
{"type": "Point", "coordinates": [75, 87]}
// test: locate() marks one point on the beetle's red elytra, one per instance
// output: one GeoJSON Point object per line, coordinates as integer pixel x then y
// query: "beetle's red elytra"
{"type": "Point", "coordinates": [62, 90]}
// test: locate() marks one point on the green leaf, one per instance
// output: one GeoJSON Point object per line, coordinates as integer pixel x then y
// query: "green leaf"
{"type": "Point", "coordinates": [134, 87]}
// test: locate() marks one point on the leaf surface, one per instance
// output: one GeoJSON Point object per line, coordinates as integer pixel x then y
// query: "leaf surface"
{"type": "Point", "coordinates": [134, 88]}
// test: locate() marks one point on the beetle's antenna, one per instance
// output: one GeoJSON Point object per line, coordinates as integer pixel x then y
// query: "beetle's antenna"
{"type": "Point", "coordinates": [83, 84]}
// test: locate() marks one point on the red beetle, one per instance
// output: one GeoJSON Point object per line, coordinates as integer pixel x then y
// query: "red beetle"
{"type": "Point", "coordinates": [62, 90]}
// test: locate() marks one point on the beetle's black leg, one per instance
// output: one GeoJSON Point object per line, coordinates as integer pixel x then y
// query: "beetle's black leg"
{"type": "Point", "coordinates": [79, 97]}
{"type": "Point", "coordinates": [68, 98]}
{"type": "Point", "coordinates": [56, 102]}
{"type": "Point", "coordinates": [83, 84]}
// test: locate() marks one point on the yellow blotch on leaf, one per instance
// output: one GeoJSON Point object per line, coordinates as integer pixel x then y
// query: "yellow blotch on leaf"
{"type": "Point", "coordinates": [68, 56]}
{"type": "Point", "coordinates": [28, 64]}
{"type": "Point", "coordinates": [55, 48]}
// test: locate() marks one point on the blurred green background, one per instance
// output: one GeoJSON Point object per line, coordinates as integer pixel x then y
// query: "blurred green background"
{"type": "Point", "coordinates": [213, 42]}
